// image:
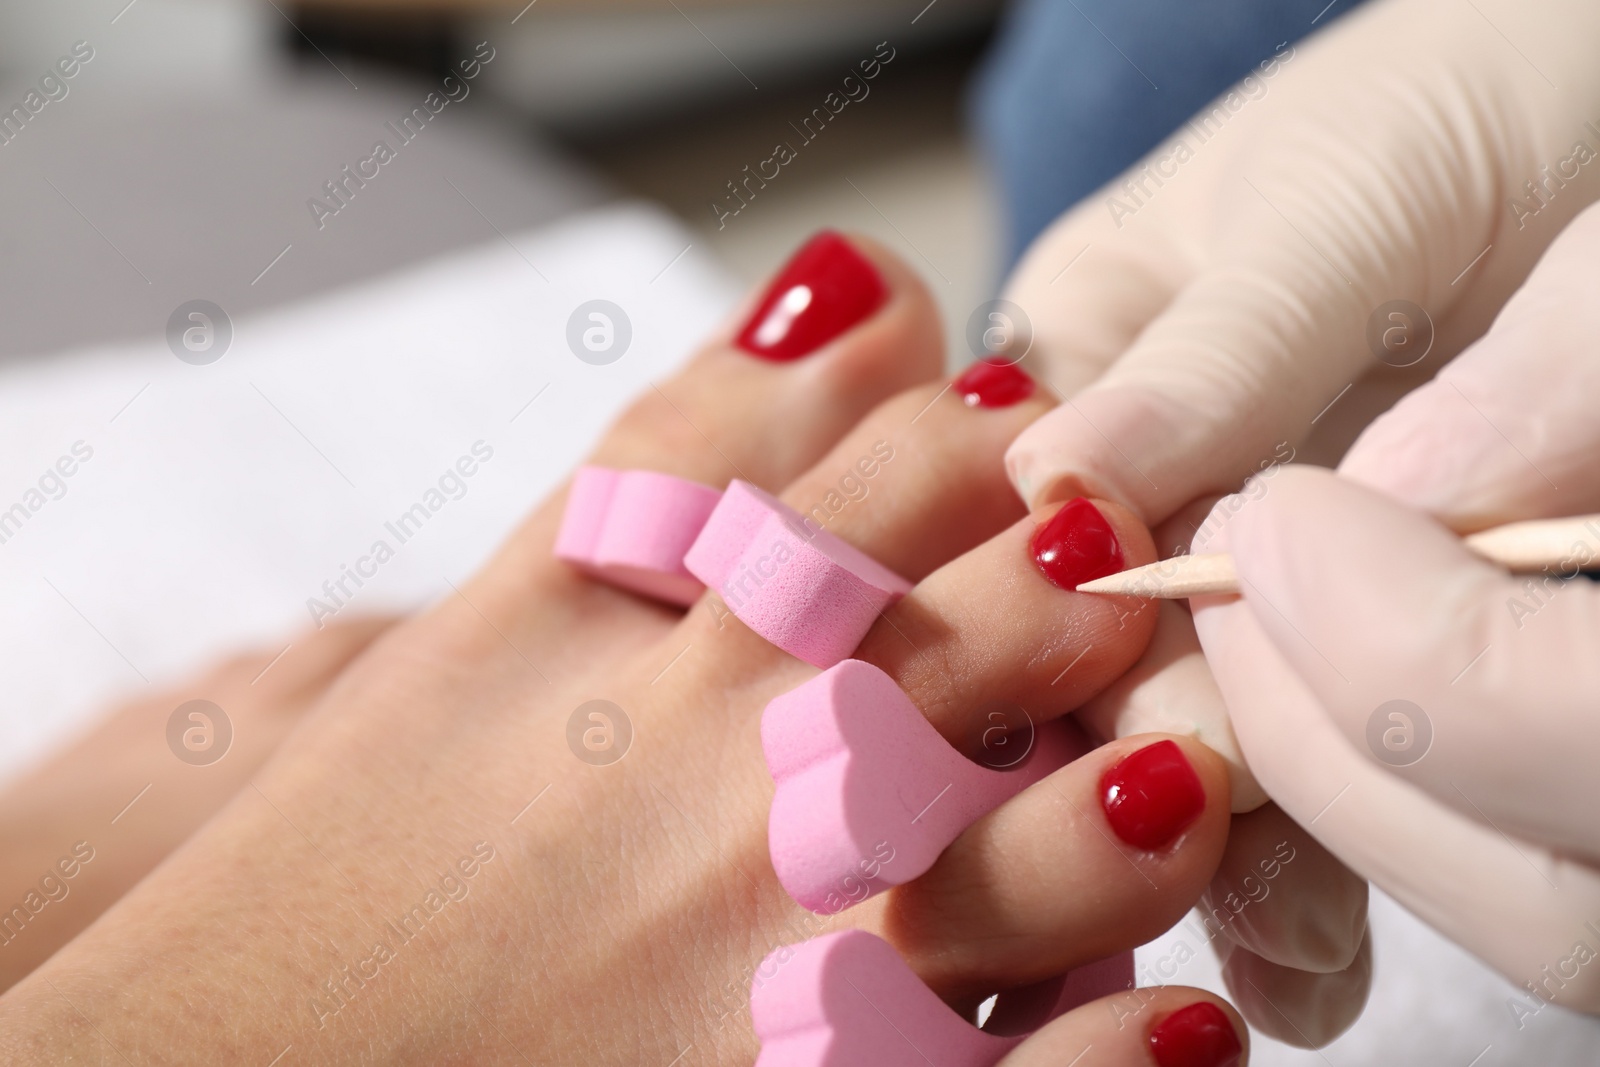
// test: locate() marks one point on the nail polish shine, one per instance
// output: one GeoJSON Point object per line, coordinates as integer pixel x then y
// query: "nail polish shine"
{"type": "Point", "coordinates": [1076, 545]}
{"type": "Point", "coordinates": [824, 290]}
{"type": "Point", "coordinates": [1152, 795]}
{"type": "Point", "coordinates": [1197, 1036]}
{"type": "Point", "coordinates": [996, 384]}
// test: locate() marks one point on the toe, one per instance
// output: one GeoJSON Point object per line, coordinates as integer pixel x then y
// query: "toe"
{"type": "Point", "coordinates": [1003, 625]}
{"type": "Point", "coordinates": [868, 330]}
{"type": "Point", "coordinates": [764, 413]}
{"type": "Point", "coordinates": [919, 481]}
{"type": "Point", "coordinates": [1167, 1026]}
{"type": "Point", "coordinates": [919, 486]}
{"type": "Point", "coordinates": [1103, 855]}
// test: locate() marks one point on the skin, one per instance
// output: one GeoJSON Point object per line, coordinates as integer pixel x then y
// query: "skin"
{"type": "Point", "coordinates": [611, 914]}
{"type": "Point", "coordinates": [78, 792]}
{"type": "Point", "coordinates": [1117, 1029]}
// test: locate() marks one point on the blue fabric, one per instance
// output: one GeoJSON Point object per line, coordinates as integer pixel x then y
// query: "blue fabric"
{"type": "Point", "coordinates": [1075, 91]}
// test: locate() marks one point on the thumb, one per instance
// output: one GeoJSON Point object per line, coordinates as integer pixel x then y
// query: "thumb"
{"type": "Point", "coordinates": [1472, 684]}
{"type": "Point", "coordinates": [1513, 902]}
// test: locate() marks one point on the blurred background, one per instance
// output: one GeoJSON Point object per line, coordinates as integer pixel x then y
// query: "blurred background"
{"type": "Point", "coordinates": [366, 347]}
{"type": "Point", "coordinates": [194, 137]}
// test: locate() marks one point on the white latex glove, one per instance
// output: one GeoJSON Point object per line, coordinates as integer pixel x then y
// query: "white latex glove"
{"type": "Point", "coordinates": [1477, 804]}
{"type": "Point", "coordinates": [1205, 314]}
{"type": "Point", "coordinates": [1201, 313]}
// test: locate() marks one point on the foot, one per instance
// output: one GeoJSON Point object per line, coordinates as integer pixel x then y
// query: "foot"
{"type": "Point", "coordinates": [116, 802]}
{"type": "Point", "coordinates": [430, 870]}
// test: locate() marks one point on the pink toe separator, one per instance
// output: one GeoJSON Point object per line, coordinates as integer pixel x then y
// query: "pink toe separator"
{"type": "Point", "coordinates": [869, 794]}
{"type": "Point", "coordinates": [847, 999]}
{"type": "Point", "coordinates": [1022, 1011]}
{"type": "Point", "coordinates": [797, 585]}
{"type": "Point", "coordinates": [631, 528]}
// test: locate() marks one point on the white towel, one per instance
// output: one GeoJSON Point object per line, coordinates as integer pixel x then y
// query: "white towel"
{"type": "Point", "coordinates": [218, 499]}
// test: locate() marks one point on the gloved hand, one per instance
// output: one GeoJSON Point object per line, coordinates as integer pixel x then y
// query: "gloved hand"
{"type": "Point", "coordinates": [1202, 314]}
{"type": "Point", "coordinates": [1221, 309]}
{"type": "Point", "coordinates": [1428, 716]}
{"type": "Point", "coordinates": [1211, 303]}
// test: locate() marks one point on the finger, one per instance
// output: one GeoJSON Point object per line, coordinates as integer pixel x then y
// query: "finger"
{"type": "Point", "coordinates": [1373, 604]}
{"type": "Point", "coordinates": [1102, 856]}
{"type": "Point", "coordinates": [1507, 430]}
{"type": "Point", "coordinates": [1228, 374]}
{"type": "Point", "coordinates": [1088, 289]}
{"type": "Point", "coordinates": [1165, 1026]}
{"type": "Point", "coordinates": [1298, 238]}
{"type": "Point", "coordinates": [1280, 895]}
{"type": "Point", "coordinates": [1299, 1008]}
{"type": "Point", "coordinates": [1510, 902]}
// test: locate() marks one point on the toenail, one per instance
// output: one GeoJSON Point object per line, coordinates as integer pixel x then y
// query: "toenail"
{"type": "Point", "coordinates": [1152, 796]}
{"type": "Point", "coordinates": [1076, 545]}
{"type": "Point", "coordinates": [824, 290]}
{"type": "Point", "coordinates": [1200, 1035]}
{"type": "Point", "coordinates": [993, 384]}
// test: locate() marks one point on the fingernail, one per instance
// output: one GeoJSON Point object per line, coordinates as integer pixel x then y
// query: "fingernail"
{"type": "Point", "coordinates": [1200, 1035]}
{"type": "Point", "coordinates": [1152, 796]}
{"type": "Point", "coordinates": [824, 290]}
{"type": "Point", "coordinates": [1077, 545]}
{"type": "Point", "coordinates": [993, 384]}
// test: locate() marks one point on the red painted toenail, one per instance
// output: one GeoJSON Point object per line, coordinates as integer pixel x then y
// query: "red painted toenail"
{"type": "Point", "coordinates": [824, 290]}
{"type": "Point", "coordinates": [1200, 1035]}
{"type": "Point", "coordinates": [1152, 796]}
{"type": "Point", "coordinates": [996, 384]}
{"type": "Point", "coordinates": [1077, 545]}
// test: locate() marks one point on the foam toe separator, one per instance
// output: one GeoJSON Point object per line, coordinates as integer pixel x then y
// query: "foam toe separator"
{"type": "Point", "coordinates": [794, 583]}
{"type": "Point", "coordinates": [868, 794]}
{"type": "Point", "coordinates": [632, 528]}
{"type": "Point", "coordinates": [847, 1000]}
